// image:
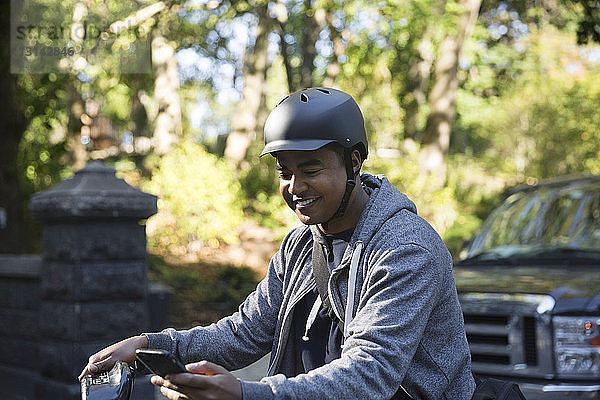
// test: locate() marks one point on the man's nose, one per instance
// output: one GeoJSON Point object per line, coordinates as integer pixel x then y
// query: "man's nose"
{"type": "Point", "coordinates": [296, 186]}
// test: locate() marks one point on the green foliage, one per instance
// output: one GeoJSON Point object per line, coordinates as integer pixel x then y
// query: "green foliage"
{"type": "Point", "coordinates": [118, 102]}
{"type": "Point", "coordinates": [589, 22]}
{"type": "Point", "coordinates": [203, 292]}
{"type": "Point", "coordinates": [439, 206]}
{"type": "Point", "coordinates": [521, 130]}
{"type": "Point", "coordinates": [521, 114]}
{"type": "Point", "coordinates": [459, 233]}
{"type": "Point", "coordinates": [456, 210]}
{"type": "Point", "coordinates": [200, 201]}
{"type": "Point", "coordinates": [260, 186]}
{"type": "Point", "coordinates": [42, 161]}
{"type": "Point", "coordinates": [40, 155]}
{"type": "Point", "coordinates": [556, 117]}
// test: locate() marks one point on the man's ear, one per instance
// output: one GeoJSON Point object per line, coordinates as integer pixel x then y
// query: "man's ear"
{"type": "Point", "coordinates": [356, 161]}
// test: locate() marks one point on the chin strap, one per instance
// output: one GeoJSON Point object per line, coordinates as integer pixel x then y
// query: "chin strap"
{"type": "Point", "coordinates": [350, 184]}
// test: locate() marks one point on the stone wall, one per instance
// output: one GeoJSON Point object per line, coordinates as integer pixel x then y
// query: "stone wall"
{"type": "Point", "coordinates": [86, 290]}
{"type": "Point", "coordinates": [20, 296]}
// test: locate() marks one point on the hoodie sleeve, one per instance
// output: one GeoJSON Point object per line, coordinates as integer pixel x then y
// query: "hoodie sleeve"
{"type": "Point", "coordinates": [237, 340]}
{"type": "Point", "coordinates": [399, 294]}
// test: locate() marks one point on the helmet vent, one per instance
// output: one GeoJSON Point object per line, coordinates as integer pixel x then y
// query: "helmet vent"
{"type": "Point", "coordinates": [324, 91]}
{"type": "Point", "coordinates": [304, 98]}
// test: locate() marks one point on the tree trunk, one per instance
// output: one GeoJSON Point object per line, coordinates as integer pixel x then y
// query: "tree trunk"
{"type": "Point", "coordinates": [167, 126]}
{"type": "Point", "coordinates": [436, 138]}
{"type": "Point", "coordinates": [310, 34]}
{"type": "Point", "coordinates": [418, 75]}
{"type": "Point", "coordinates": [13, 228]}
{"type": "Point", "coordinates": [285, 54]}
{"type": "Point", "coordinates": [246, 124]}
{"type": "Point", "coordinates": [302, 76]}
{"type": "Point", "coordinates": [77, 151]}
{"type": "Point", "coordinates": [339, 46]}
{"type": "Point", "coordinates": [281, 18]}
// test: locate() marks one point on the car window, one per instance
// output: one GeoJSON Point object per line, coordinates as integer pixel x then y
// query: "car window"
{"type": "Point", "coordinates": [546, 217]}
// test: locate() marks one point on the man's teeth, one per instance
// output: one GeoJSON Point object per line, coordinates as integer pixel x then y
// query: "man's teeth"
{"type": "Point", "coordinates": [304, 203]}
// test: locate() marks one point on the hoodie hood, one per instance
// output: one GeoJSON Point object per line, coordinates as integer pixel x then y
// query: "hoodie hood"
{"type": "Point", "coordinates": [385, 201]}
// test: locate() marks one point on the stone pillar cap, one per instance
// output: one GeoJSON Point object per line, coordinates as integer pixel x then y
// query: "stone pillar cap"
{"type": "Point", "coordinates": [94, 191]}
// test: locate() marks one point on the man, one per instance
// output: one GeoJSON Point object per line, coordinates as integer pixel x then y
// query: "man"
{"type": "Point", "coordinates": [358, 303]}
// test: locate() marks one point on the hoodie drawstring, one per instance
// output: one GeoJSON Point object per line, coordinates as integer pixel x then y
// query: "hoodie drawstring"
{"type": "Point", "coordinates": [349, 314]}
{"type": "Point", "coordinates": [311, 317]}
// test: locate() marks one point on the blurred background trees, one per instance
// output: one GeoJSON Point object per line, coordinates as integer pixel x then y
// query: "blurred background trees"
{"type": "Point", "coordinates": [462, 98]}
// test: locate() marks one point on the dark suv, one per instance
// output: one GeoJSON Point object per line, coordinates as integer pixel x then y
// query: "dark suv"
{"type": "Point", "coordinates": [529, 287]}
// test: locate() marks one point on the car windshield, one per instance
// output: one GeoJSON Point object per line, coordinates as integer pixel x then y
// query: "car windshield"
{"type": "Point", "coordinates": [545, 220]}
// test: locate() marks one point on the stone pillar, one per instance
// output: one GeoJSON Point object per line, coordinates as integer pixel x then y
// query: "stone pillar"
{"type": "Point", "coordinates": [94, 267]}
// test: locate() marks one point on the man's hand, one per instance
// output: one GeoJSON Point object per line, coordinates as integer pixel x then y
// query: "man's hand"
{"type": "Point", "coordinates": [205, 381]}
{"type": "Point", "coordinates": [121, 351]}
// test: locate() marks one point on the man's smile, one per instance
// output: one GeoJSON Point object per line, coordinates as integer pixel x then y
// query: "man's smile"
{"type": "Point", "coordinates": [302, 203]}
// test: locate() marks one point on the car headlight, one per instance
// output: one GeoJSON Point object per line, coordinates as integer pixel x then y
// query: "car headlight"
{"type": "Point", "coordinates": [577, 345]}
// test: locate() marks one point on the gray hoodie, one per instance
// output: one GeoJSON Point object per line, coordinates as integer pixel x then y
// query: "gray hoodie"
{"type": "Point", "coordinates": [402, 320]}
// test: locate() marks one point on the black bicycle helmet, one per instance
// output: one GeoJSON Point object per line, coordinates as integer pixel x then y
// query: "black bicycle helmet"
{"type": "Point", "coordinates": [312, 118]}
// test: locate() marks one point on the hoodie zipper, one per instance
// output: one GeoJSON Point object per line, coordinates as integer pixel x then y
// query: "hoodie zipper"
{"type": "Point", "coordinates": [349, 310]}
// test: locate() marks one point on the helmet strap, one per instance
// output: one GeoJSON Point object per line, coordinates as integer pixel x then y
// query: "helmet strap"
{"type": "Point", "coordinates": [350, 184]}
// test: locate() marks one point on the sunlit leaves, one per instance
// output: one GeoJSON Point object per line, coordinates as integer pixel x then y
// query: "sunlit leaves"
{"type": "Point", "coordinates": [200, 203]}
{"type": "Point", "coordinates": [118, 101]}
{"type": "Point", "coordinates": [529, 121]}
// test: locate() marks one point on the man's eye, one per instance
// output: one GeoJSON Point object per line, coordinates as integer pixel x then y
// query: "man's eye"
{"type": "Point", "coordinates": [285, 176]}
{"type": "Point", "coordinates": [312, 172]}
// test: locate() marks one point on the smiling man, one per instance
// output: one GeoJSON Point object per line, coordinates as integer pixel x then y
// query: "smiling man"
{"type": "Point", "coordinates": [358, 303]}
{"type": "Point", "coordinates": [313, 183]}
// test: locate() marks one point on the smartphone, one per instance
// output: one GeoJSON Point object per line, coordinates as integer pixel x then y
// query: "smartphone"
{"type": "Point", "coordinates": [160, 362]}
